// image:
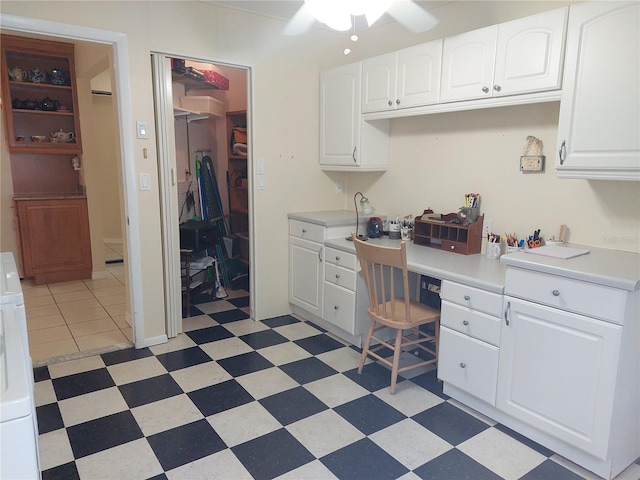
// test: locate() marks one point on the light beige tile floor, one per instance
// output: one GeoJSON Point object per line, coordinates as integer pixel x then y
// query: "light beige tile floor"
{"type": "Point", "coordinates": [66, 318]}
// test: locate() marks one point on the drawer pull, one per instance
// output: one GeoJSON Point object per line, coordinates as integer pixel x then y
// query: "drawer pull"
{"type": "Point", "coordinates": [465, 322]}
{"type": "Point", "coordinates": [337, 258]}
{"type": "Point", "coordinates": [467, 298]}
{"type": "Point", "coordinates": [506, 313]}
{"type": "Point", "coordinates": [556, 293]}
{"type": "Point", "coordinates": [337, 276]}
{"type": "Point", "coordinates": [463, 365]}
{"type": "Point", "coordinates": [453, 247]}
{"type": "Point", "coordinates": [304, 230]}
{"type": "Point", "coordinates": [335, 307]}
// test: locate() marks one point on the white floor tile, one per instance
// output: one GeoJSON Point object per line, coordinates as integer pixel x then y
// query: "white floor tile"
{"type": "Point", "coordinates": [174, 344]}
{"type": "Point", "coordinates": [132, 460]}
{"type": "Point", "coordinates": [215, 307]}
{"type": "Point", "coordinates": [409, 398]}
{"type": "Point", "coordinates": [244, 327]}
{"type": "Point", "coordinates": [296, 331]}
{"type": "Point", "coordinates": [228, 347]}
{"type": "Point", "coordinates": [221, 465]}
{"type": "Point", "coordinates": [55, 449]}
{"type": "Point", "coordinates": [166, 414]}
{"type": "Point", "coordinates": [266, 382]}
{"type": "Point", "coordinates": [197, 322]}
{"type": "Point", "coordinates": [140, 369]}
{"type": "Point", "coordinates": [243, 423]}
{"type": "Point", "coordinates": [341, 359]}
{"type": "Point", "coordinates": [43, 393]}
{"type": "Point", "coordinates": [82, 408]}
{"type": "Point", "coordinates": [311, 471]}
{"type": "Point", "coordinates": [200, 376]}
{"type": "Point", "coordinates": [284, 353]}
{"type": "Point", "coordinates": [76, 366]}
{"type": "Point", "coordinates": [336, 390]}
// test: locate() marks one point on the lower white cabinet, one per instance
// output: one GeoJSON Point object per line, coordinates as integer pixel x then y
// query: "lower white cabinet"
{"type": "Point", "coordinates": [306, 270]}
{"type": "Point", "coordinates": [469, 340]}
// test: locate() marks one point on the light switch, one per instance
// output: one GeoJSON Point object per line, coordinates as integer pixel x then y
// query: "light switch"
{"type": "Point", "coordinates": [261, 182]}
{"type": "Point", "coordinates": [145, 182]}
{"type": "Point", "coordinates": [260, 165]}
{"type": "Point", "coordinates": [142, 129]}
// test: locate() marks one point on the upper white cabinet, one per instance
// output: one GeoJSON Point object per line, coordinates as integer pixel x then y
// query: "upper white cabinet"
{"type": "Point", "coordinates": [521, 56]}
{"type": "Point", "coordinates": [402, 79]}
{"type": "Point", "coordinates": [347, 142]}
{"type": "Point", "coordinates": [599, 125]}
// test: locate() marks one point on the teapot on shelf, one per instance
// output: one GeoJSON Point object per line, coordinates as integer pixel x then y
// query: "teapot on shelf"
{"type": "Point", "coordinates": [62, 137]}
{"type": "Point", "coordinates": [49, 105]}
{"type": "Point", "coordinates": [37, 76]}
{"type": "Point", "coordinates": [18, 74]}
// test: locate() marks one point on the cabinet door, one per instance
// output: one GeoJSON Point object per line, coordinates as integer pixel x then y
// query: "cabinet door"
{"type": "Point", "coordinates": [558, 373]}
{"type": "Point", "coordinates": [529, 54]}
{"type": "Point", "coordinates": [55, 242]}
{"type": "Point", "coordinates": [599, 124]}
{"type": "Point", "coordinates": [340, 115]}
{"type": "Point", "coordinates": [306, 274]}
{"type": "Point", "coordinates": [418, 75]}
{"type": "Point", "coordinates": [467, 65]}
{"type": "Point", "coordinates": [379, 83]}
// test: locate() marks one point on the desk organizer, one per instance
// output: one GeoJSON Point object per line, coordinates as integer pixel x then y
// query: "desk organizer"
{"type": "Point", "coordinates": [453, 237]}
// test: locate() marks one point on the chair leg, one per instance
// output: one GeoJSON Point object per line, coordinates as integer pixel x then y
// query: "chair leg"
{"type": "Point", "coordinates": [367, 344]}
{"type": "Point", "coordinates": [397, 350]}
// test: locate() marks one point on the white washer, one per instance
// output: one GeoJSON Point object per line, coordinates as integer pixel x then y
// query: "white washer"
{"type": "Point", "coordinates": [19, 456]}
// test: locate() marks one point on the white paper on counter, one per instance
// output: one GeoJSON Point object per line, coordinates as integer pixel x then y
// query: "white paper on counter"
{"type": "Point", "coordinates": [557, 251]}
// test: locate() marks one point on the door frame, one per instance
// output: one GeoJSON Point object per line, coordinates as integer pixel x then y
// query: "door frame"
{"type": "Point", "coordinates": [167, 173]}
{"type": "Point", "coordinates": [118, 41]}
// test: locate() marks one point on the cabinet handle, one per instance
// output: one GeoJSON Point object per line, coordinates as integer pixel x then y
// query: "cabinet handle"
{"type": "Point", "coordinates": [465, 322]}
{"type": "Point", "coordinates": [463, 365]}
{"type": "Point", "coordinates": [453, 247]}
{"type": "Point", "coordinates": [506, 313]}
{"type": "Point", "coordinates": [353, 155]}
{"type": "Point", "coordinates": [485, 89]}
{"type": "Point", "coordinates": [304, 230]}
{"type": "Point", "coordinates": [467, 298]}
{"type": "Point", "coordinates": [337, 276]}
{"type": "Point", "coordinates": [335, 307]}
{"type": "Point", "coordinates": [562, 152]}
{"type": "Point", "coordinates": [337, 258]}
{"type": "Point", "coordinates": [497, 88]}
{"type": "Point", "coordinates": [320, 254]}
{"type": "Point", "coordinates": [390, 102]}
{"type": "Point", "coordinates": [397, 101]}
{"type": "Point", "coordinates": [556, 293]}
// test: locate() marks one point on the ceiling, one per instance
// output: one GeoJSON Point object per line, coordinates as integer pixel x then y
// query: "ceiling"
{"type": "Point", "coordinates": [286, 9]}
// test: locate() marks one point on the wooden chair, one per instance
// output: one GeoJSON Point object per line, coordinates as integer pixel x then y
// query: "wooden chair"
{"type": "Point", "coordinates": [385, 273]}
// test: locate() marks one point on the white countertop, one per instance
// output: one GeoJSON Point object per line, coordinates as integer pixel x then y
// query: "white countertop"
{"type": "Point", "coordinates": [333, 218]}
{"type": "Point", "coordinates": [603, 266]}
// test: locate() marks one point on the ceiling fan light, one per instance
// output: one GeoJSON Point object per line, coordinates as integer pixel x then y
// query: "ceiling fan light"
{"type": "Point", "coordinates": [375, 9]}
{"type": "Point", "coordinates": [333, 14]}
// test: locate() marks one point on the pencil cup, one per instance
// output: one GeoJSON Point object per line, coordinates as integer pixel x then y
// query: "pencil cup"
{"type": "Point", "coordinates": [514, 249]}
{"type": "Point", "coordinates": [494, 250]}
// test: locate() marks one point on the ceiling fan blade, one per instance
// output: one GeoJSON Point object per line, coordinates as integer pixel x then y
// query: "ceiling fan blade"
{"type": "Point", "coordinates": [412, 16]}
{"type": "Point", "coordinates": [300, 22]}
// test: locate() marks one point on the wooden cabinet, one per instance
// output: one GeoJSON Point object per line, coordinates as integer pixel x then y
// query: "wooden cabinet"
{"type": "Point", "coordinates": [402, 79]}
{"type": "Point", "coordinates": [39, 95]}
{"type": "Point", "coordinates": [453, 237]}
{"type": "Point", "coordinates": [237, 179]}
{"type": "Point", "coordinates": [347, 143]}
{"type": "Point", "coordinates": [522, 56]}
{"type": "Point", "coordinates": [599, 124]}
{"type": "Point", "coordinates": [53, 239]}
{"type": "Point", "coordinates": [470, 340]}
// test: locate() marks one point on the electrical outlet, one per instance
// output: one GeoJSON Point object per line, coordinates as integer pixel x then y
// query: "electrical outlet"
{"type": "Point", "coordinates": [338, 188]}
{"type": "Point", "coordinates": [487, 228]}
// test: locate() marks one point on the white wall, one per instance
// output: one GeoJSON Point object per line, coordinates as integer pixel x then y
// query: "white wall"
{"type": "Point", "coordinates": [285, 132]}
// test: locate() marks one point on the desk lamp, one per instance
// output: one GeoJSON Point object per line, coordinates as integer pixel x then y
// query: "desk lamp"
{"type": "Point", "coordinates": [366, 208]}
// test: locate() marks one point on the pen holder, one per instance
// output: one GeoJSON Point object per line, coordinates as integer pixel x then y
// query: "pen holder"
{"type": "Point", "coordinates": [494, 250]}
{"type": "Point", "coordinates": [406, 233]}
{"type": "Point", "coordinates": [394, 231]}
{"type": "Point", "coordinates": [514, 249]}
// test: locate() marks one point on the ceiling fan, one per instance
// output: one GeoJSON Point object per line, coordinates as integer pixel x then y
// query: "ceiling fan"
{"type": "Point", "coordinates": [338, 14]}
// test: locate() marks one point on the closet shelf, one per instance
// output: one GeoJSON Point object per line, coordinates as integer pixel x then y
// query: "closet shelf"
{"type": "Point", "coordinates": [191, 115]}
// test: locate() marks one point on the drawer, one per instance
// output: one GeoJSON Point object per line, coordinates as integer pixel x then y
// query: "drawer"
{"type": "Point", "coordinates": [469, 364]}
{"type": "Point", "coordinates": [469, 322]}
{"type": "Point", "coordinates": [340, 307]}
{"type": "Point", "coordinates": [589, 299]}
{"type": "Point", "coordinates": [343, 259]}
{"type": "Point", "coordinates": [309, 231]}
{"type": "Point", "coordinates": [473, 298]}
{"type": "Point", "coordinates": [340, 276]}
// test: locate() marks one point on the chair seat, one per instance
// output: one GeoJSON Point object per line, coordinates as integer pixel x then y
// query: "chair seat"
{"type": "Point", "coordinates": [419, 314]}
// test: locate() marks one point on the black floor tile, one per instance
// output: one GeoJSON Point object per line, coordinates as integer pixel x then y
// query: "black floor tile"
{"type": "Point", "coordinates": [265, 338]}
{"type": "Point", "coordinates": [280, 446]}
{"type": "Point", "coordinates": [40, 374]}
{"type": "Point", "coordinates": [126, 355]}
{"type": "Point", "coordinates": [103, 433]}
{"type": "Point", "coordinates": [522, 439]}
{"type": "Point", "coordinates": [455, 464]}
{"type": "Point", "coordinates": [373, 377]}
{"type": "Point", "coordinates": [293, 405]}
{"type": "Point", "coordinates": [318, 344]}
{"type": "Point", "coordinates": [193, 311]}
{"type": "Point", "coordinates": [245, 363]}
{"type": "Point", "coordinates": [67, 471]}
{"type": "Point", "coordinates": [203, 298]}
{"type": "Point", "coordinates": [210, 334]}
{"type": "Point", "coordinates": [369, 414]}
{"type": "Point", "coordinates": [81, 383]}
{"type": "Point", "coordinates": [239, 302]}
{"type": "Point", "coordinates": [429, 381]}
{"type": "Point", "coordinates": [162, 476]}
{"type": "Point", "coordinates": [307, 370]}
{"type": "Point", "coordinates": [363, 459]}
{"type": "Point", "coordinates": [183, 358]}
{"type": "Point", "coordinates": [220, 397]}
{"type": "Point", "coordinates": [229, 316]}
{"type": "Point", "coordinates": [551, 470]}
{"type": "Point", "coordinates": [185, 444]}
{"type": "Point", "coordinates": [149, 390]}
{"type": "Point", "coordinates": [450, 423]}
{"type": "Point", "coordinates": [49, 418]}
{"type": "Point", "coordinates": [280, 321]}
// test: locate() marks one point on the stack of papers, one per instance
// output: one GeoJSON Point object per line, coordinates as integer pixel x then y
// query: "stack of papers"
{"type": "Point", "coordinates": [556, 251]}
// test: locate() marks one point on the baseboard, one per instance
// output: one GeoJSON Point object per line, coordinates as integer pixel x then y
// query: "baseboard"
{"type": "Point", "coordinates": [100, 275]}
{"type": "Point", "coordinates": [150, 342]}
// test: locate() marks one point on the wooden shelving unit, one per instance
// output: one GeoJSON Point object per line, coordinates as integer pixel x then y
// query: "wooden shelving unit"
{"type": "Point", "coordinates": [237, 179]}
{"type": "Point", "coordinates": [452, 237]}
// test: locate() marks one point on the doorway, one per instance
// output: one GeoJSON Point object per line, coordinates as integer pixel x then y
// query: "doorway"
{"type": "Point", "coordinates": [201, 105]}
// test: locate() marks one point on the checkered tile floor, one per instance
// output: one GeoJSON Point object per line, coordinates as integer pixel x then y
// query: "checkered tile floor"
{"type": "Point", "coordinates": [233, 399]}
